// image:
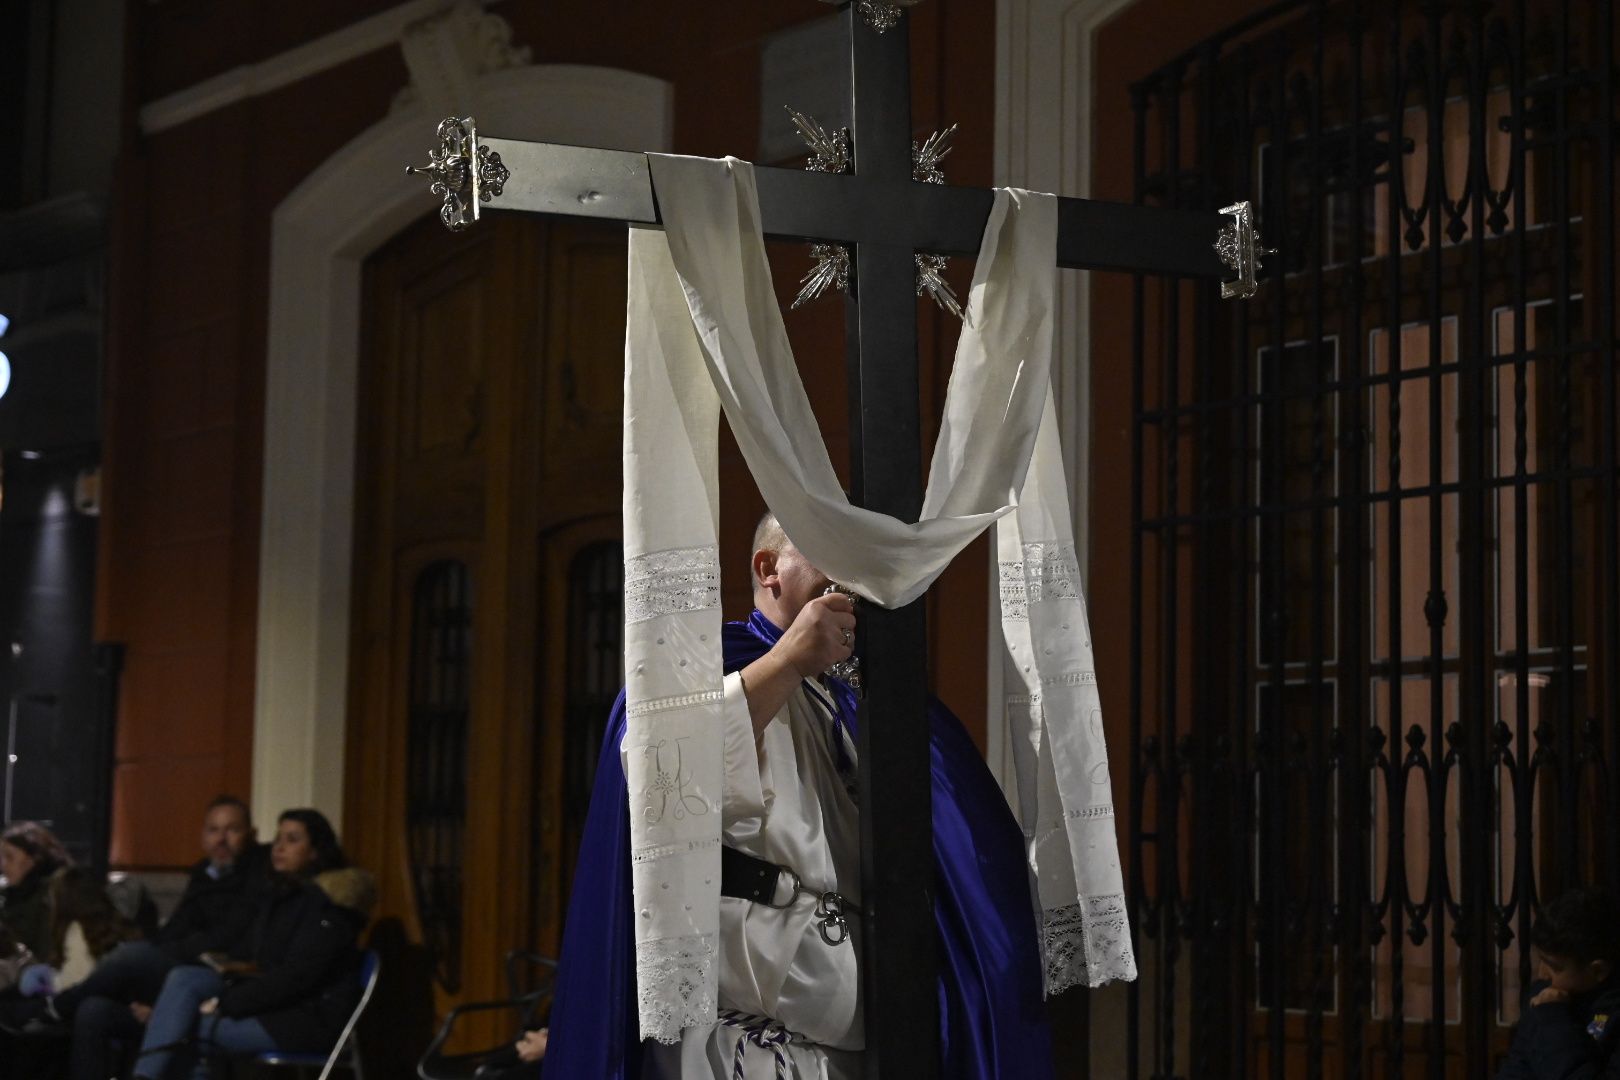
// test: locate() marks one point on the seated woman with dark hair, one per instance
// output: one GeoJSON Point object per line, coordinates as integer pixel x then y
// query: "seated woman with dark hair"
{"type": "Point", "coordinates": [290, 984]}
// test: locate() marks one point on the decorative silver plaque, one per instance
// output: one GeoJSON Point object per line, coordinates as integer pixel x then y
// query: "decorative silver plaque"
{"type": "Point", "coordinates": [463, 172]}
{"type": "Point", "coordinates": [1238, 245]}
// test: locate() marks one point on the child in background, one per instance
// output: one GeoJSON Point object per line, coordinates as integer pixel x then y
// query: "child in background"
{"type": "Point", "coordinates": [1570, 1029]}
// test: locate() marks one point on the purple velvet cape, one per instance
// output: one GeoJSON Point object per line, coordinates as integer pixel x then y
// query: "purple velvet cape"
{"type": "Point", "coordinates": [992, 1016]}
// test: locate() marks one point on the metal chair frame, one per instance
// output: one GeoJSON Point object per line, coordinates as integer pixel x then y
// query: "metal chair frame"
{"type": "Point", "coordinates": [346, 1051]}
{"type": "Point", "coordinates": [432, 1066]}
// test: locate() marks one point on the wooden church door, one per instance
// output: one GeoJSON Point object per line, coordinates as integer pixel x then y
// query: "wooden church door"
{"type": "Point", "coordinates": [487, 501]}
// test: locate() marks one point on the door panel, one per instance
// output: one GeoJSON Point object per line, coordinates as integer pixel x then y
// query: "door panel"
{"type": "Point", "coordinates": [489, 387]}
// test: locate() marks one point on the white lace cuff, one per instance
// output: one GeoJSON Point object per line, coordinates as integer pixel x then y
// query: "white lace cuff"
{"type": "Point", "coordinates": [1087, 944]}
{"type": "Point", "coordinates": [675, 983]}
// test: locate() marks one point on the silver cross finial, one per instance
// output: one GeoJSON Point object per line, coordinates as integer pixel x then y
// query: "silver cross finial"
{"type": "Point", "coordinates": [464, 172]}
{"type": "Point", "coordinates": [1238, 245]}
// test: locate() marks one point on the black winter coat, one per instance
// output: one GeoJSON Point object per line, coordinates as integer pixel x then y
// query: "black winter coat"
{"type": "Point", "coordinates": [26, 910]}
{"type": "Point", "coordinates": [307, 985]}
{"type": "Point", "coordinates": [213, 913]}
{"type": "Point", "coordinates": [1574, 1040]}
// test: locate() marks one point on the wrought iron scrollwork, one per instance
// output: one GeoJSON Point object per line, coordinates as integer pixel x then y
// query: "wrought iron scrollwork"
{"type": "Point", "coordinates": [1373, 496]}
{"type": "Point", "coordinates": [436, 778]}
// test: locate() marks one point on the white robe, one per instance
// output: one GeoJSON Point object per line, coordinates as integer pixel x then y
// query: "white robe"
{"type": "Point", "coordinates": [790, 805]}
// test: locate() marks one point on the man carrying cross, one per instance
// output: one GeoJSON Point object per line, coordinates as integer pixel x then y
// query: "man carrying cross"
{"type": "Point", "coordinates": [717, 912]}
{"type": "Point", "coordinates": [790, 925]}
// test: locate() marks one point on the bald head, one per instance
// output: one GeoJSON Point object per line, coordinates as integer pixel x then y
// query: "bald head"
{"type": "Point", "coordinates": [783, 579]}
{"type": "Point", "coordinates": [768, 534]}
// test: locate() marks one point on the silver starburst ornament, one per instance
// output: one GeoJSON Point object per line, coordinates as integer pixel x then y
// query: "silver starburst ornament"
{"type": "Point", "coordinates": [925, 169]}
{"type": "Point", "coordinates": [925, 159]}
{"type": "Point", "coordinates": [830, 271]}
{"type": "Point", "coordinates": [829, 151]}
{"type": "Point", "coordinates": [931, 280]}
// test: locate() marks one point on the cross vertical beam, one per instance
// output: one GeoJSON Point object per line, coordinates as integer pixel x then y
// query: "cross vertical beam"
{"type": "Point", "coordinates": [899, 965]}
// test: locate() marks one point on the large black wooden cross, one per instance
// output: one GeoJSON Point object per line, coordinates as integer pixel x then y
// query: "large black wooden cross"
{"type": "Point", "coordinates": [885, 217]}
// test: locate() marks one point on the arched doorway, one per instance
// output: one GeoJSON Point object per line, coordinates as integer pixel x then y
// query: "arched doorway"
{"type": "Point", "coordinates": [486, 497]}
{"type": "Point", "coordinates": [320, 235]}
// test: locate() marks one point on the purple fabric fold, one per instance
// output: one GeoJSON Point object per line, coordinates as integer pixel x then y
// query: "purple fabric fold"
{"type": "Point", "coordinates": [992, 1016]}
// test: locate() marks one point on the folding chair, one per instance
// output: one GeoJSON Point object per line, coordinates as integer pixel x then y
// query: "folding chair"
{"type": "Point", "coordinates": [346, 1052]}
{"type": "Point", "coordinates": [437, 1065]}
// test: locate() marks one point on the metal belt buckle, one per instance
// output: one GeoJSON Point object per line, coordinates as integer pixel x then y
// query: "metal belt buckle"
{"type": "Point", "coordinates": [830, 913]}
{"type": "Point", "coordinates": [793, 880]}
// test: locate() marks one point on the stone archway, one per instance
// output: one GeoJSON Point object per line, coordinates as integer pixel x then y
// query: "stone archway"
{"type": "Point", "coordinates": [320, 235]}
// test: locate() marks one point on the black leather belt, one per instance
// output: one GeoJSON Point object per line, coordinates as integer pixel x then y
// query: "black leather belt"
{"type": "Point", "coordinates": [744, 877]}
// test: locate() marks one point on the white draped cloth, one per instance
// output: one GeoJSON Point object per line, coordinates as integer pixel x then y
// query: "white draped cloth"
{"type": "Point", "coordinates": [704, 334]}
{"type": "Point", "coordinates": [789, 804]}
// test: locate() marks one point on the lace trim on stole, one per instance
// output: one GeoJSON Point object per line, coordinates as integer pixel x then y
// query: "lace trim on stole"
{"type": "Point", "coordinates": [673, 980]}
{"type": "Point", "coordinates": [670, 581]}
{"type": "Point", "coordinates": [1087, 944]}
{"type": "Point", "coordinates": [1048, 571]}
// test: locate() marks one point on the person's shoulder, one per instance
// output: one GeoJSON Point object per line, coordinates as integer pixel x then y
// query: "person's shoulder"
{"type": "Point", "coordinates": [1604, 1025]}
{"type": "Point", "coordinates": [342, 900]}
{"type": "Point", "coordinates": [350, 888]}
{"type": "Point", "coordinates": [198, 877]}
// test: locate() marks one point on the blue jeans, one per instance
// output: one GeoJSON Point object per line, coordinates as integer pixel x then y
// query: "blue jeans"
{"type": "Point", "coordinates": [132, 972]}
{"type": "Point", "coordinates": [175, 1019]}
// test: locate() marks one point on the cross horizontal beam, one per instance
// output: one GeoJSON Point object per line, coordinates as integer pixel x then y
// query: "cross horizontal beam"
{"type": "Point", "coordinates": [576, 181]}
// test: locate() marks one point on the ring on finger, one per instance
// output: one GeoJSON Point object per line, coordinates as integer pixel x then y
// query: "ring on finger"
{"type": "Point", "coordinates": [846, 637]}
